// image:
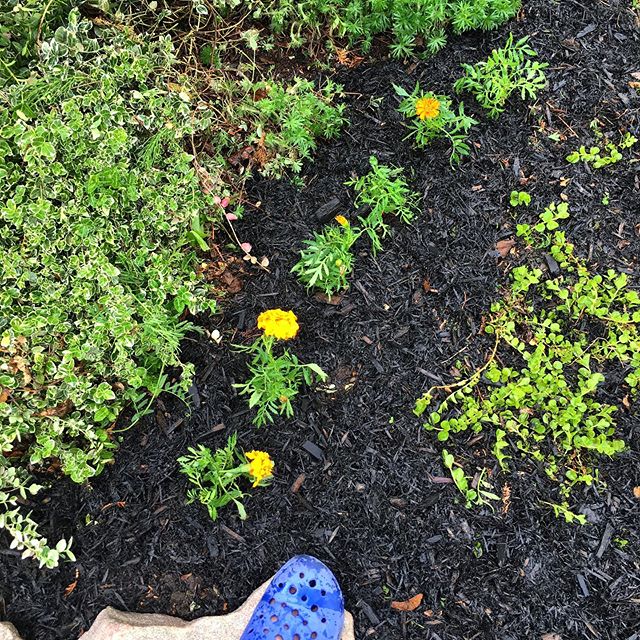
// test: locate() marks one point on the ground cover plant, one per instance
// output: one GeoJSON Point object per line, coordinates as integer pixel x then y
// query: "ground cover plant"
{"type": "Point", "coordinates": [97, 270]}
{"type": "Point", "coordinates": [594, 155]}
{"type": "Point", "coordinates": [359, 483]}
{"type": "Point", "coordinates": [547, 409]}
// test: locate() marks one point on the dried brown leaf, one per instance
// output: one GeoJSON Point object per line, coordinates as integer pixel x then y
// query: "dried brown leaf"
{"type": "Point", "coordinates": [59, 411]}
{"type": "Point", "coordinates": [69, 590]}
{"type": "Point", "coordinates": [504, 246]}
{"type": "Point", "coordinates": [408, 605]}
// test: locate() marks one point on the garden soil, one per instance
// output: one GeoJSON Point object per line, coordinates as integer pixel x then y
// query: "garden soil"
{"type": "Point", "coordinates": [358, 482]}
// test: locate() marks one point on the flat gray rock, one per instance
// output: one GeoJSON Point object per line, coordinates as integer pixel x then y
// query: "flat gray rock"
{"type": "Point", "coordinates": [112, 624]}
{"type": "Point", "coordinates": [8, 632]}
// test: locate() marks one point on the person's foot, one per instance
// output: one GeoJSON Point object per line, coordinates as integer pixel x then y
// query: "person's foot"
{"type": "Point", "coordinates": [303, 602]}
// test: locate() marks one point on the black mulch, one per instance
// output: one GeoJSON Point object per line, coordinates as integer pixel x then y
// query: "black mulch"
{"type": "Point", "coordinates": [368, 507]}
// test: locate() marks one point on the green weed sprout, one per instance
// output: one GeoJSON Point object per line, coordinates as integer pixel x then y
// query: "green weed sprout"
{"type": "Point", "coordinates": [508, 70]}
{"type": "Point", "coordinates": [433, 117]}
{"type": "Point", "coordinates": [216, 475]}
{"type": "Point", "coordinates": [275, 379]}
{"type": "Point", "coordinates": [473, 497]}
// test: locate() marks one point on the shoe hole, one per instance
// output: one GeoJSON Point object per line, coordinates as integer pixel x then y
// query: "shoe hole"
{"type": "Point", "coordinates": [296, 637]}
{"type": "Point", "coordinates": [286, 627]}
{"type": "Point", "coordinates": [312, 583]}
{"type": "Point", "coordinates": [274, 618]}
{"type": "Point", "coordinates": [323, 593]}
{"type": "Point", "coordinates": [304, 598]}
{"type": "Point", "coordinates": [314, 607]}
{"type": "Point", "coordinates": [280, 585]}
{"type": "Point", "coordinates": [283, 605]}
{"type": "Point", "coordinates": [278, 637]}
{"type": "Point", "coordinates": [292, 590]}
{"type": "Point", "coordinates": [295, 612]}
{"type": "Point", "coordinates": [266, 632]}
{"type": "Point", "coordinates": [324, 620]}
{"type": "Point", "coordinates": [272, 601]}
{"type": "Point", "coordinates": [305, 623]}
{"type": "Point", "coordinates": [302, 575]}
{"type": "Point", "coordinates": [314, 635]}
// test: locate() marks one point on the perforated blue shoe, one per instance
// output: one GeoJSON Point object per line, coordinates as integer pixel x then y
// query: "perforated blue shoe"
{"type": "Point", "coordinates": [303, 602]}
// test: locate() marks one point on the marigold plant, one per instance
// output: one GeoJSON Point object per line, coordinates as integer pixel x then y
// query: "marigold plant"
{"type": "Point", "coordinates": [433, 117]}
{"type": "Point", "coordinates": [279, 324]}
{"type": "Point", "coordinates": [216, 476]}
{"type": "Point", "coordinates": [427, 108]}
{"type": "Point", "coordinates": [275, 379]}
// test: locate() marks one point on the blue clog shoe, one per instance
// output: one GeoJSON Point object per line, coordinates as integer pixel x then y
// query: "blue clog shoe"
{"type": "Point", "coordinates": [302, 602]}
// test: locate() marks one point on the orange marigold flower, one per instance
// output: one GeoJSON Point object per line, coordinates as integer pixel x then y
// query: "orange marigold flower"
{"type": "Point", "coordinates": [341, 220]}
{"type": "Point", "coordinates": [427, 108]}
{"type": "Point", "coordinates": [260, 466]}
{"type": "Point", "coordinates": [279, 324]}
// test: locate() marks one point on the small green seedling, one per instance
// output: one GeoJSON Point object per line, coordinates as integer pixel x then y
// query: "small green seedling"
{"type": "Point", "coordinates": [518, 198]}
{"type": "Point", "coordinates": [599, 157]}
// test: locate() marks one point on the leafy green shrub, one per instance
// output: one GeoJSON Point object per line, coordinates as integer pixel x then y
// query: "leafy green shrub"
{"type": "Point", "coordinates": [283, 122]}
{"type": "Point", "coordinates": [506, 71]}
{"type": "Point", "coordinates": [410, 21]}
{"type": "Point", "coordinates": [547, 408]}
{"type": "Point", "coordinates": [433, 117]}
{"type": "Point", "coordinates": [99, 207]}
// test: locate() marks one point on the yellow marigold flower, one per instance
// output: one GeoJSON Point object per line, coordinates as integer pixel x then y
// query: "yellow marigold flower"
{"type": "Point", "coordinates": [427, 108]}
{"type": "Point", "coordinates": [260, 466]}
{"type": "Point", "coordinates": [280, 324]}
{"type": "Point", "coordinates": [341, 220]}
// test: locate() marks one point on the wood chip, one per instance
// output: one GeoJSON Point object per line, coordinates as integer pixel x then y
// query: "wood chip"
{"type": "Point", "coordinates": [636, 492]}
{"type": "Point", "coordinates": [332, 300]}
{"type": "Point", "coordinates": [408, 605]}
{"type": "Point", "coordinates": [297, 483]}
